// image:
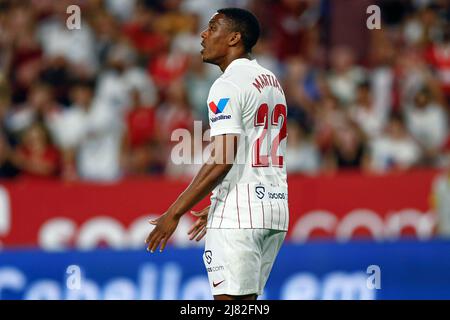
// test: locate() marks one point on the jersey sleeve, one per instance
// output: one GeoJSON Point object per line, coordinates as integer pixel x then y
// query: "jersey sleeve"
{"type": "Point", "coordinates": [224, 109]}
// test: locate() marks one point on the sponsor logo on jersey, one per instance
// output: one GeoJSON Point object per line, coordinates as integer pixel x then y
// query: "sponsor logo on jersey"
{"type": "Point", "coordinates": [218, 108]}
{"type": "Point", "coordinates": [260, 190]}
{"type": "Point", "coordinates": [270, 194]}
{"type": "Point", "coordinates": [208, 256]}
{"type": "Point", "coordinates": [277, 195]}
{"type": "Point", "coordinates": [221, 117]}
{"type": "Point", "coordinates": [215, 268]}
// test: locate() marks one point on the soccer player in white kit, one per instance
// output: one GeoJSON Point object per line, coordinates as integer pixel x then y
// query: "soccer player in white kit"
{"type": "Point", "coordinates": [248, 218]}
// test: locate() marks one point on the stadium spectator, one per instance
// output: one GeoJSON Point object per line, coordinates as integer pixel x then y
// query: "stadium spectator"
{"type": "Point", "coordinates": [328, 116]}
{"type": "Point", "coordinates": [123, 10]}
{"type": "Point", "coordinates": [204, 9]}
{"type": "Point", "coordinates": [348, 150]}
{"type": "Point", "coordinates": [5, 105]}
{"type": "Point", "coordinates": [382, 75]}
{"type": "Point", "coordinates": [142, 32]}
{"type": "Point", "coordinates": [264, 54]}
{"type": "Point", "coordinates": [186, 41]}
{"type": "Point", "coordinates": [77, 46]}
{"type": "Point", "coordinates": [345, 75]}
{"type": "Point", "coordinates": [7, 168]}
{"type": "Point", "coordinates": [293, 26]}
{"type": "Point", "coordinates": [22, 51]}
{"type": "Point", "coordinates": [107, 32]}
{"type": "Point", "coordinates": [140, 121]}
{"type": "Point", "coordinates": [35, 155]}
{"type": "Point", "coordinates": [115, 84]}
{"type": "Point", "coordinates": [303, 90]}
{"type": "Point", "coordinates": [175, 112]}
{"type": "Point", "coordinates": [167, 67]}
{"type": "Point", "coordinates": [198, 80]}
{"type": "Point", "coordinates": [395, 149]}
{"type": "Point", "coordinates": [302, 155]}
{"type": "Point", "coordinates": [427, 122]}
{"type": "Point", "coordinates": [365, 114]}
{"type": "Point", "coordinates": [39, 106]}
{"type": "Point", "coordinates": [439, 58]}
{"type": "Point", "coordinates": [151, 47]}
{"type": "Point", "coordinates": [140, 139]}
{"type": "Point", "coordinates": [91, 131]}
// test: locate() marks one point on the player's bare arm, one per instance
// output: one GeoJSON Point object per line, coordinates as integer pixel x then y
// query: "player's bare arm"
{"type": "Point", "coordinates": [209, 176]}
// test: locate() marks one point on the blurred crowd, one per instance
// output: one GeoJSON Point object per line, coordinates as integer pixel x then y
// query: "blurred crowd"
{"type": "Point", "coordinates": [101, 102]}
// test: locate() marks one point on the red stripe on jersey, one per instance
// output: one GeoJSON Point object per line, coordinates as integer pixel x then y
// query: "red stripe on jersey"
{"type": "Point", "coordinates": [271, 216]}
{"type": "Point", "coordinates": [237, 206]}
{"type": "Point", "coordinates": [264, 220]}
{"type": "Point", "coordinates": [249, 208]}
{"type": "Point", "coordinates": [224, 203]}
{"type": "Point", "coordinates": [279, 215]}
{"type": "Point", "coordinates": [286, 215]}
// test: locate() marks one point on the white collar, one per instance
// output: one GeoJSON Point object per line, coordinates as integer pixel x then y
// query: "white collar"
{"type": "Point", "coordinates": [239, 62]}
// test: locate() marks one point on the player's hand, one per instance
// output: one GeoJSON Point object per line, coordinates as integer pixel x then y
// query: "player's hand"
{"type": "Point", "coordinates": [198, 228]}
{"type": "Point", "coordinates": [165, 225]}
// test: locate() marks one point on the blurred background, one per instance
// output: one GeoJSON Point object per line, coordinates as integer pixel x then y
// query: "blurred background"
{"type": "Point", "coordinates": [86, 117]}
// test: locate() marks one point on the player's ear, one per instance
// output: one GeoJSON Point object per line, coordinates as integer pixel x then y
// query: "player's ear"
{"type": "Point", "coordinates": [234, 39]}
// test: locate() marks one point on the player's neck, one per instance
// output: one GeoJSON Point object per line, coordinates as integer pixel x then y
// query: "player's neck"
{"type": "Point", "coordinates": [229, 59]}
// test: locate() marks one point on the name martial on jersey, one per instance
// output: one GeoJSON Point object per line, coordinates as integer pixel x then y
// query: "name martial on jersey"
{"type": "Point", "coordinates": [247, 100]}
{"type": "Point", "coordinates": [264, 80]}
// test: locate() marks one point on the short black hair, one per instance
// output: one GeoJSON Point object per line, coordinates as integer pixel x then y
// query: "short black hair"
{"type": "Point", "coordinates": [244, 22]}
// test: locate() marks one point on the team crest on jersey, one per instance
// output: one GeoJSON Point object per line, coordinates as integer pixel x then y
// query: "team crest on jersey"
{"type": "Point", "coordinates": [218, 108]}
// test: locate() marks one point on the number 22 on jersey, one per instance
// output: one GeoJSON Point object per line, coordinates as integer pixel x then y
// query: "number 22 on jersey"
{"type": "Point", "coordinates": [262, 120]}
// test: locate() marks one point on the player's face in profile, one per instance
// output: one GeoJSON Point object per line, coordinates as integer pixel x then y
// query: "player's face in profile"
{"type": "Point", "coordinates": [214, 39]}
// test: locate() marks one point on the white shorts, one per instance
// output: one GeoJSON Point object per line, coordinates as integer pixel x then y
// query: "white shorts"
{"type": "Point", "coordinates": [239, 261]}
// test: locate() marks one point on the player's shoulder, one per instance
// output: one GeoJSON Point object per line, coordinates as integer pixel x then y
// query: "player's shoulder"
{"type": "Point", "coordinates": [225, 84]}
{"type": "Point", "coordinates": [245, 69]}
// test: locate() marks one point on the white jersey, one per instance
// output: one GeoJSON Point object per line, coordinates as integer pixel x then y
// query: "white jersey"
{"type": "Point", "coordinates": [248, 100]}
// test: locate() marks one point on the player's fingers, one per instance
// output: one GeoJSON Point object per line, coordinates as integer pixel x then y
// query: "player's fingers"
{"type": "Point", "coordinates": [196, 232]}
{"type": "Point", "coordinates": [193, 227]}
{"type": "Point", "coordinates": [148, 241]}
{"type": "Point", "coordinates": [201, 235]}
{"type": "Point", "coordinates": [154, 235]}
{"type": "Point", "coordinates": [150, 235]}
{"type": "Point", "coordinates": [154, 222]}
{"type": "Point", "coordinates": [163, 244]}
{"type": "Point", "coordinates": [193, 231]}
{"type": "Point", "coordinates": [199, 232]}
{"type": "Point", "coordinates": [201, 213]}
{"type": "Point", "coordinates": [154, 243]}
